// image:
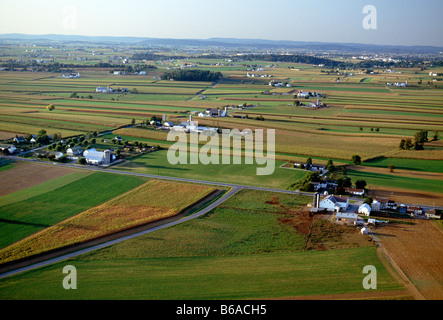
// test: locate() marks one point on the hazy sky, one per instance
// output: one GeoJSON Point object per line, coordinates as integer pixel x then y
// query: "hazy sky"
{"type": "Point", "coordinates": [399, 22]}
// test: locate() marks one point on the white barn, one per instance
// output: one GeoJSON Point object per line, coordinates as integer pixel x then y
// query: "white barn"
{"type": "Point", "coordinates": [93, 156]}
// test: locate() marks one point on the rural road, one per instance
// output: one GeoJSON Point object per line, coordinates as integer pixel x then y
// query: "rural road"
{"type": "Point", "coordinates": [200, 213]}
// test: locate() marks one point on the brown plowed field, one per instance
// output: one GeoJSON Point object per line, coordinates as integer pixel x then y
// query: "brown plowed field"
{"type": "Point", "coordinates": [26, 175]}
{"type": "Point", "coordinates": [407, 196]}
{"type": "Point", "coordinates": [417, 250]}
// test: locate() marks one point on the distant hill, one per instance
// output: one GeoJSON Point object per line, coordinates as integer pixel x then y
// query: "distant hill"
{"type": "Point", "coordinates": [233, 42]}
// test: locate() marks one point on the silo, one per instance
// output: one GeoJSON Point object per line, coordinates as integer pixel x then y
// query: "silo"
{"type": "Point", "coordinates": [316, 200]}
{"type": "Point", "coordinates": [107, 156]}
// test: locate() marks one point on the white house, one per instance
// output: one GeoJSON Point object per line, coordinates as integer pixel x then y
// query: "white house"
{"type": "Point", "coordinates": [101, 90]}
{"type": "Point", "coordinates": [58, 155]}
{"type": "Point", "coordinates": [365, 209]}
{"type": "Point", "coordinates": [355, 191]}
{"type": "Point", "coordinates": [334, 203]}
{"type": "Point", "coordinates": [74, 151]}
{"type": "Point", "coordinates": [375, 206]}
{"type": "Point", "coordinates": [169, 124]}
{"type": "Point", "coordinates": [11, 148]}
{"type": "Point", "coordinates": [19, 139]}
{"type": "Point", "coordinates": [303, 95]}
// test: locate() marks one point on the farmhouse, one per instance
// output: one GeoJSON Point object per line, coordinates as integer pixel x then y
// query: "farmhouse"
{"type": "Point", "coordinates": [74, 151]}
{"type": "Point", "coordinates": [414, 210]}
{"type": "Point", "coordinates": [58, 155]}
{"type": "Point", "coordinates": [71, 76]}
{"type": "Point", "coordinates": [93, 156]}
{"type": "Point", "coordinates": [365, 209]}
{"type": "Point", "coordinates": [355, 191]}
{"type": "Point", "coordinates": [334, 203]}
{"type": "Point", "coordinates": [432, 214]}
{"type": "Point", "coordinates": [19, 140]}
{"type": "Point", "coordinates": [101, 90]}
{"type": "Point", "coordinates": [375, 206]}
{"type": "Point", "coordinates": [217, 112]}
{"type": "Point", "coordinates": [383, 203]}
{"type": "Point", "coordinates": [10, 148]}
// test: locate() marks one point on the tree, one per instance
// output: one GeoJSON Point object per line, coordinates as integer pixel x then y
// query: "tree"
{"type": "Point", "coordinates": [408, 144]}
{"type": "Point", "coordinates": [402, 145]}
{"type": "Point", "coordinates": [51, 107]}
{"type": "Point", "coordinates": [421, 136]}
{"type": "Point", "coordinates": [309, 161]}
{"type": "Point", "coordinates": [344, 182]}
{"type": "Point", "coordinates": [391, 167]}
{"type": "Point", "coordinates": [360, 184]}
{"type": "Point", "coordinates": [418, 146]}
{"type": "Point", "coordinates": [81, 160]}
{"type": "Point", "coordinates": [356, 159]}
{"type": "Point", "coordinates": [435, 136]}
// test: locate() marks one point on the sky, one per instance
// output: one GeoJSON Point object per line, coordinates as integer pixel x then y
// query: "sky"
{"type": "Point", "coordinates": [393, 22]}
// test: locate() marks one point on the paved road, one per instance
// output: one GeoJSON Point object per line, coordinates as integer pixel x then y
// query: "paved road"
{"type": "Point", "coordinates": [112, 242]}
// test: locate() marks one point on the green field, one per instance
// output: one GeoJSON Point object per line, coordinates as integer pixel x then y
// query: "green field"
{"type": "Point", "coordinates": [407, 164]}
{"type": "Point", "coordinates": [54, 201]}
{"type": "Point", "coordinates": [238, 251]}
{"type": "Point", "coordinates": [275, 275]}
{"type": "Point", "coordinates": [157, 163]}
{"type": "Point", "coordinates": [386, 180]}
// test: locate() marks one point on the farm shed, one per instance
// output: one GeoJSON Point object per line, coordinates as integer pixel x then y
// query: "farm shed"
{"type": "Point", "coordinates": [346, 217]}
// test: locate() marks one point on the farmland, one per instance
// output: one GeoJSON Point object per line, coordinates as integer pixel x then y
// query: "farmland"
{"type": "Point", "coordinates": [242, 249]}
{"type": "Point", "coordinates": [255, 245]}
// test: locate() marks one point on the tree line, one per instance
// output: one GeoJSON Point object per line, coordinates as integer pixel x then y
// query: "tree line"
{"type": "Point", "coordinates": [192, 75]}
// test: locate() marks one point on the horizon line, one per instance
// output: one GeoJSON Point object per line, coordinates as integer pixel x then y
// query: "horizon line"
{"type": "Point", "coordinates": [217, 38]}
